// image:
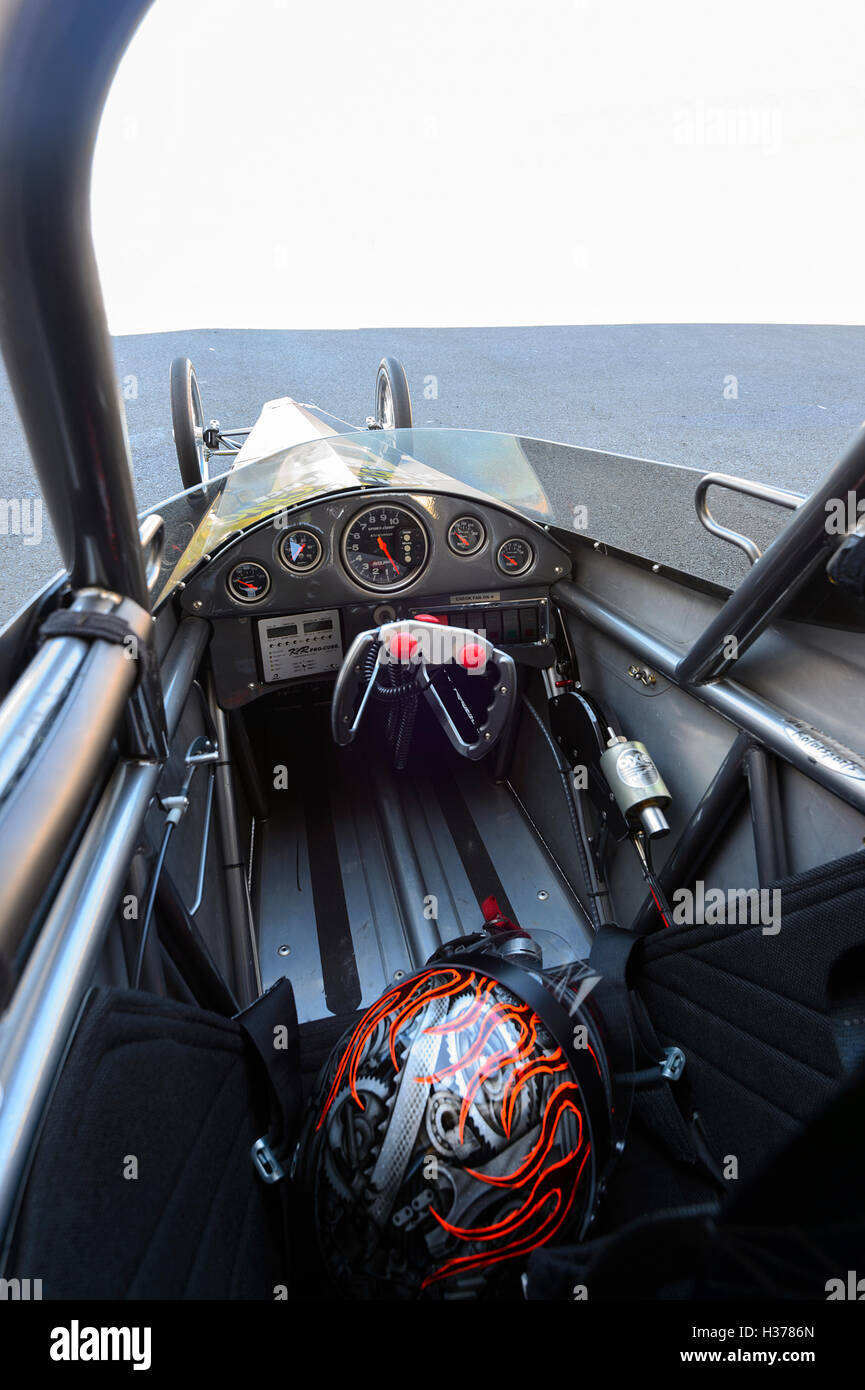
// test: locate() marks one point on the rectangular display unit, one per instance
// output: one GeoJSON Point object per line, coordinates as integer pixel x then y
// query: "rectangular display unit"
{"type": "Point", "coordinates": [300, 644]}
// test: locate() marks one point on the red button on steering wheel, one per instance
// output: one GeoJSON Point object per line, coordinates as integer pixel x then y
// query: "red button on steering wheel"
{"type": "Point", "coordinates": [403, 646]}
{"type": "Point", "coordinates": [472, 656]}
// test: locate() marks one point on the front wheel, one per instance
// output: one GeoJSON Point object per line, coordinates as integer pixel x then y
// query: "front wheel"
{"type": "Point", "coordinates": [392, 399]}
{"type": "Point", "coordinates": [187, 422]}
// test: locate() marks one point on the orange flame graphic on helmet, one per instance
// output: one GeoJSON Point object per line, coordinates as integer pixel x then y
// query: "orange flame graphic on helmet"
{"type": "Point", "coordinates": [546, 1186]}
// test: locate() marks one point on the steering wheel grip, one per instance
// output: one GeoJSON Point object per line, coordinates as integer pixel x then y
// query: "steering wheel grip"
{"type": "Point", "coordinates": [444, 645]}
{"type": "Point", "coordinates": [499, 710]}
{"type": "Point", "coordinates": [343, 726]}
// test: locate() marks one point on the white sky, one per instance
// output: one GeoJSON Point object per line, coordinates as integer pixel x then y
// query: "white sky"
{"type": "Point", "coordinates": [286, 164]}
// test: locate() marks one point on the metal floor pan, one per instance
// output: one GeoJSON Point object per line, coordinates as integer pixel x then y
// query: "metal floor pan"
{"type": "Point", "coordinates": [362, 871]}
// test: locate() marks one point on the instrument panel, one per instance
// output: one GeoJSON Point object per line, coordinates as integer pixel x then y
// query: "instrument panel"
{"type": "Point", "coordinates": [287, 597]}
{"type": "Point", "coordinates": [397, 543]}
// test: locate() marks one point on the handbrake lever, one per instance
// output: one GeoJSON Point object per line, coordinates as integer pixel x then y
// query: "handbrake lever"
{"type": "Point", "coordinates": [424, 648]}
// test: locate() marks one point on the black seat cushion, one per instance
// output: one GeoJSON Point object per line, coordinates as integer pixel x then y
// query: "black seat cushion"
{"type": "Point", "coordinates": [142, 1184]}
{"type": "Point", "coordinates": [756, 1013]}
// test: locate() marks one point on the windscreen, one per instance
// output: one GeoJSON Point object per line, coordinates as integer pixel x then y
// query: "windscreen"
{"type": "Point", "coordinates": [475, 463]}
{"type": "Point", "coordinates": [635, 505]}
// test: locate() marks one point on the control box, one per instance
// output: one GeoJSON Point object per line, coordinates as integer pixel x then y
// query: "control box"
{"type": "Point", "coordinates": [300, 644]}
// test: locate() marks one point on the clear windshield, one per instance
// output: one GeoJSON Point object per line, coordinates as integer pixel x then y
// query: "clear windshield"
{"type": "Point", "coordinates": [599, 495]}
{"type": "Point", "coordinates": [486, 466]}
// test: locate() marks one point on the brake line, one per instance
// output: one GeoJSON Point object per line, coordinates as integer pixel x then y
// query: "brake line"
{"type": "Point", "coordinates": [575, 810]}
{"type": "Point", "coordinates": [643, 845]}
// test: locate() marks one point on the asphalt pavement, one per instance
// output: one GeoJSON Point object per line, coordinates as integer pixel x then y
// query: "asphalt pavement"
{"type": "Point", "coordinates": [773, 403]}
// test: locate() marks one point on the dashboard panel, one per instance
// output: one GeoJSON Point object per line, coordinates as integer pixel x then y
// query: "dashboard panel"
{"type": "Point", "coordinates": [287, 597]}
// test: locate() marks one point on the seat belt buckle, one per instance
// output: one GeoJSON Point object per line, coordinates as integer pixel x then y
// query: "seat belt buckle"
{"type": "Point", "coordinates": [265, 1161]}
{"type": "Point", "coordinates": [673, 1064]}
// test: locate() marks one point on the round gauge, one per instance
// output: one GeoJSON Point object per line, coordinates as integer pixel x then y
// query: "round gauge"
{"type": "Point", "coordinates": [385, 548]}
{"type": "Point", "coordinates": [300, 550]}
{"type": "Point", "coordinates": [248, 582]}
{"type": "Point", "coordinates": [466, 535]}
{"type": "Point", "coordinates": [515, 556]}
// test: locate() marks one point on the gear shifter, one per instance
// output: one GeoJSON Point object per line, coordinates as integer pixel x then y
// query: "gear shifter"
{"type": "Point", "coordinates": [417, 651]}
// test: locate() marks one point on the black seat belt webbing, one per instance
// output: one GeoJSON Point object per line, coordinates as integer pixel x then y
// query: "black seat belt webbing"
{"type": "Point", "coordinates": [270, 1025]}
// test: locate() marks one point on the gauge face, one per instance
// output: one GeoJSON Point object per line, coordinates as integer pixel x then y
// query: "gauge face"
{"type": "Point", "coordinates": [248, 582]}
{"type": "Point", "coordinates": [385, 548]}
{"type": "Point", "coordinates": [300, 550]}
{"type": "Point", "coordinates": [466, 535]}
{"type": "Point", "coordinates": [515, 556]}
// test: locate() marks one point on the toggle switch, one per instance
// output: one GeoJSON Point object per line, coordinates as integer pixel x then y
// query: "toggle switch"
{"type": "Point", "coordinates": [511, 625]}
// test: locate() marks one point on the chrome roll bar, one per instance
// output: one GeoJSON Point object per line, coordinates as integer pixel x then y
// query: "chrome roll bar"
{"type": "Point", "coordinates": [780, 496]}
{"type": "Point", "coordinates": [35, 1028]}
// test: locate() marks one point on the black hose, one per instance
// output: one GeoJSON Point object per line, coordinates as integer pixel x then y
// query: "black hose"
{"type": "Point", "coordinates": [391, 691]}
{"type": "Point", "coordinates": [577, 823]}
{"type": "Point", "coordinates": [400, 693]}
{"type": "Point", "coordinates": [405, 729]}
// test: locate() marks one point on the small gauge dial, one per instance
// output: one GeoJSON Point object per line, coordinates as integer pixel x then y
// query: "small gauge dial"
{"type": "Point", "coordinates": [515, 556]}
{"type": "Point", "coordinates": [385, 548]}
{"type": "Point", "coordinates": [300, 550]}
{"type": "Point", "coordinates": [248, 582]}
{"type": "Point", "coordinates": [466, 535]}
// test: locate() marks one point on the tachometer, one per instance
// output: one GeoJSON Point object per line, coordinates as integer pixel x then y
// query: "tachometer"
{"type": "Point", "coordinates": [385, 548]}
{"type": "Point", "coordinates": [515, 556]}
{"type": "Point", "coordinates": [248, 582]}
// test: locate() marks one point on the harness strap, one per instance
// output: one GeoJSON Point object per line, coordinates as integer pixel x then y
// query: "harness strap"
{"type": "Point", "coordinates": [270, 1025]}
{"type": "Point", "coordinates": [655, 1067]}
{"type": "Point", "coordinates": [89, 626]}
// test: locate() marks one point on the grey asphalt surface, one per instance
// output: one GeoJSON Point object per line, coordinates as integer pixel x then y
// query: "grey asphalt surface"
{"type": "Point", "coordinates": [649, 391]}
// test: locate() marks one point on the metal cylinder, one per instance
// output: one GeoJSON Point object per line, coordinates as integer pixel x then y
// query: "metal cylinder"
{"type": "Point", "coordinates": [633, 778]}
{"type": "Point", "coordinates": [654, 822]}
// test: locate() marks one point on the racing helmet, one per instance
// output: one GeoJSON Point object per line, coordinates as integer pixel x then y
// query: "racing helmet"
{"type": "Point", "coordinates": [465, 1120]}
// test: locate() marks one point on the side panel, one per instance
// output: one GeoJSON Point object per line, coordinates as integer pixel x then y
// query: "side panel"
{"type": "Point", "coordinates": [817, 675]}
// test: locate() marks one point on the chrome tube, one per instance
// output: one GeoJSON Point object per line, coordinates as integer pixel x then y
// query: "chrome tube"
{"type": "Point", "coordinates": [780, 496]}
{"type": "Point", "coordinates": [244, 948]}
{"type": "Point", "coordinates": [35, 1028]}
{"type": "Point", "coordinates": [52, 759]}
{"type": "Point", "coordinates": [33, 703]}
{"type": "Point", "coordinates": [56, 63]}
{"type": "Point", "coordinates": [766, 820]}
{"type": "Point", "coordinates": [794, 555]}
